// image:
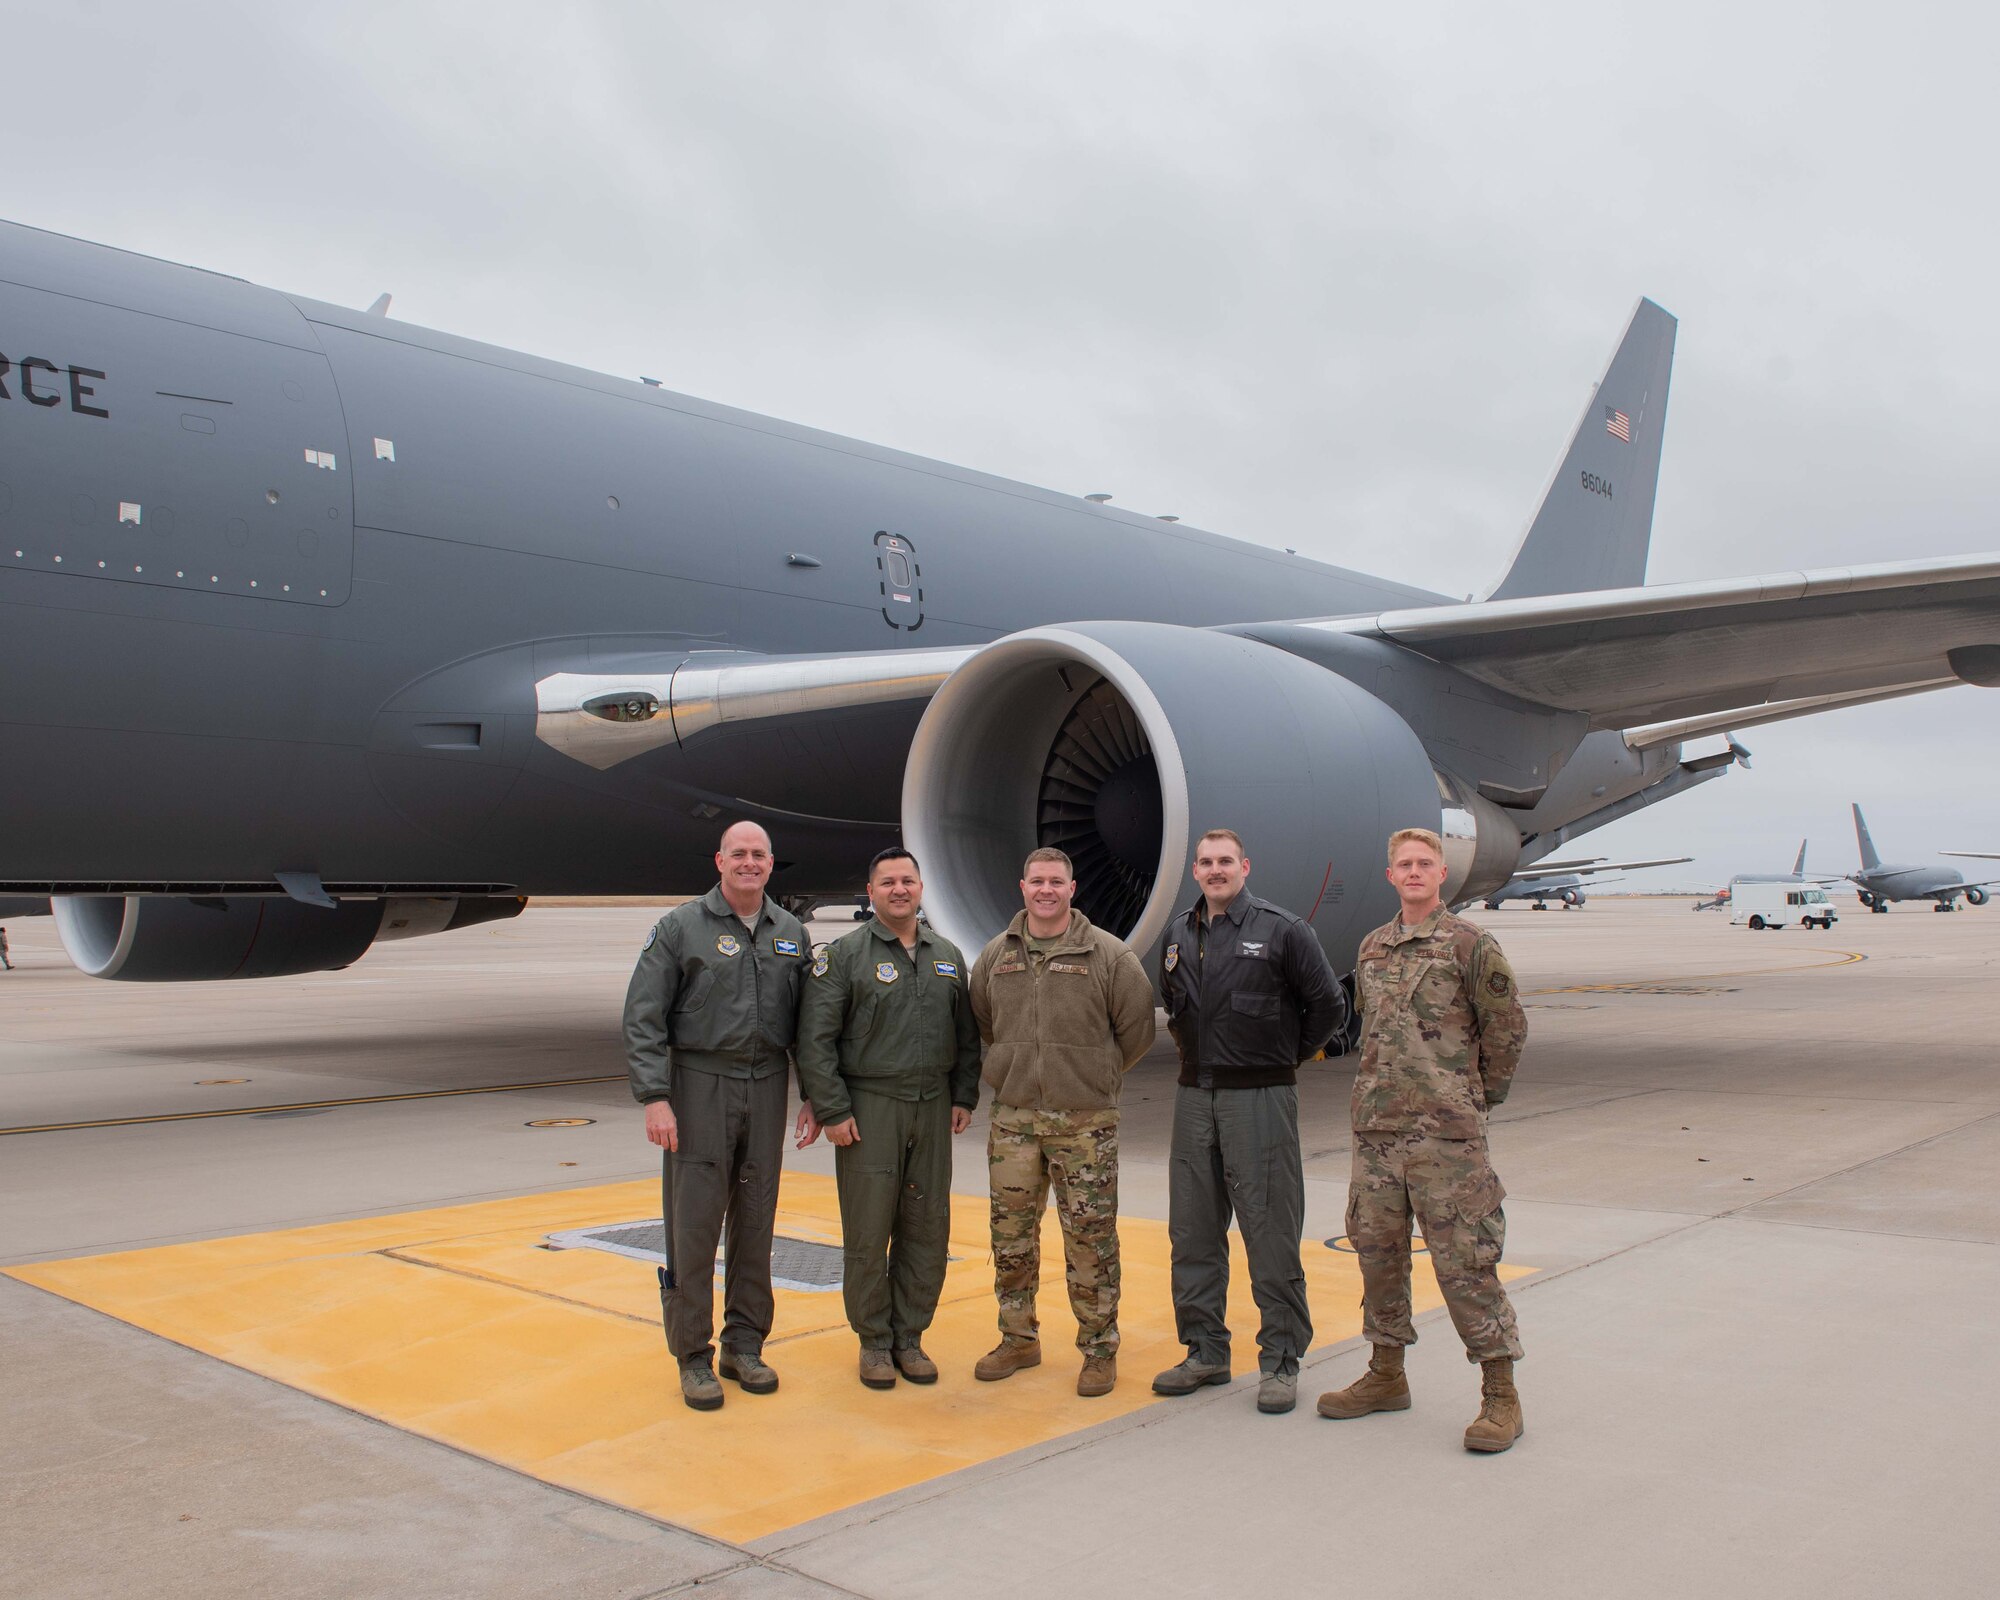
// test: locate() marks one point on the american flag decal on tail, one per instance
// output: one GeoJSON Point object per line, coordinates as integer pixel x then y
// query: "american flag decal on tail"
{"type": "Point", "coordinates": [1618, 424]}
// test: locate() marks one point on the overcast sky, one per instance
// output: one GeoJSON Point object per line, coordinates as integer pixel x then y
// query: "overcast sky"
{"type": "Point", "coordinates": [1330, 277]}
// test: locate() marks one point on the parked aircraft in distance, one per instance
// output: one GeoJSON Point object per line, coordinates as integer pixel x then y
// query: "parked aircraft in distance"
{"type": "Point", "coordinates": [319, 628]}
{"type": "Point", "coordinates": [1796, 875]}
{"type": "Point", "coordinates": [1880, 882]}
{"type": "Point", "coordinates": [1564, 881]}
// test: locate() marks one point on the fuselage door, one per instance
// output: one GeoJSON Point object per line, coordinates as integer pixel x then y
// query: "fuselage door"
{"type": "Point", "coordinates": [901, 582]}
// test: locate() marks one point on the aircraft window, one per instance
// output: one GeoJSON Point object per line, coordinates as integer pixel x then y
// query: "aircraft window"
{"type": "Point", "coordinates": [899, 569]}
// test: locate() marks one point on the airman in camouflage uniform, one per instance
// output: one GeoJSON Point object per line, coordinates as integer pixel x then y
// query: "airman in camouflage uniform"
{"type": "Point", "coordinates": [1442, 1032]}
{"type": "Point", "coordinates": [1065, 1010]}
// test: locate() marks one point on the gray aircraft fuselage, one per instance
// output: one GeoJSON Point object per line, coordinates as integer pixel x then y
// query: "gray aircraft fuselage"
{"type": "Point", "coordinates": [277, 579]}
{"type": "Point", "coordinates": [1881, 882]}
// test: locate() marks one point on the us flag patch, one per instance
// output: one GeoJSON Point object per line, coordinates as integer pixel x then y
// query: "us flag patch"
{"type": "Point", "coordinates": [1617, 424]}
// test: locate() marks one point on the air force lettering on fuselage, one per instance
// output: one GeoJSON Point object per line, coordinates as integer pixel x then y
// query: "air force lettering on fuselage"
{"type": "Point", "coordinates": [39, 381]}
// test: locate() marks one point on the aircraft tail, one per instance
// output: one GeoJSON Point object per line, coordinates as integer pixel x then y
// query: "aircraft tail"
{"type": "Point", "coordinates": [1799, 866]}
{"type": "Point", "coordinates": [1595, 521]}
{"type": "Point", "coordinates": [1868, 856]}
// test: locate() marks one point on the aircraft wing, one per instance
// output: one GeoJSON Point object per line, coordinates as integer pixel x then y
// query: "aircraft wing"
{"type": "Point", "coordinates": [1722, 654]}
{"type": "Point", "coordinates": [1973, 855]}
{"type": "Point", "coordinates": [1532, 873]}
{"type": "Point", "coordinates": [1706, 656]}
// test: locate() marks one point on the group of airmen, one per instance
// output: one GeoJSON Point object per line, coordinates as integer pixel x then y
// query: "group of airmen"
{"type": "Point", "coordinates": [885, 1026]}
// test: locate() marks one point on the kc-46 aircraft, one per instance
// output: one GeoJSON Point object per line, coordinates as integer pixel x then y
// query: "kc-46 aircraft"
{"type": "Point", "coordinates": [1880, 882]}
{"type": "Point", "coordinates": [1566, 881]}
{"type": "Point", "coordinates": [317, 628]}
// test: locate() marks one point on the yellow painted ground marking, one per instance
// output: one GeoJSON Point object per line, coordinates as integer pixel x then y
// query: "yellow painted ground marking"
{"type": "Point", "coordinates": [453, 1324]}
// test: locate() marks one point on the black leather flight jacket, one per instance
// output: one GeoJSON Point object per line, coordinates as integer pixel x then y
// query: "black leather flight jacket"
{"type": "Point", "coordinates": [1248, 997]}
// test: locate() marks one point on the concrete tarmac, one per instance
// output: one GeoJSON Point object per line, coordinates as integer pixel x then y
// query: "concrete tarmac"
{"type": "Point", "coordinates": [1760, 1181]}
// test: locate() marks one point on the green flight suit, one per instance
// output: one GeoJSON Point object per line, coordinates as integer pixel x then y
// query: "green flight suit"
{"type": "Point", "coordinates": [710, 1019]}
{"type": "Point", "coordinates": [887, 1036]}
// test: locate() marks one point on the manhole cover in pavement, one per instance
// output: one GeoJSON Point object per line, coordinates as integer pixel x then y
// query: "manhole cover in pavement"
{"type": "Point", "coordinates": [801, 1264]}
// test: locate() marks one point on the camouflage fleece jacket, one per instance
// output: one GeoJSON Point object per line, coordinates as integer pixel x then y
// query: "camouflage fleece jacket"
{"type": "Point", "coordinates": [1441, 1028]}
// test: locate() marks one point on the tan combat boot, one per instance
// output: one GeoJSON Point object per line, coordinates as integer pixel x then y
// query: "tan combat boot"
{"type": "Point", "coordinates": [1099, 1376]}
{"type": "Point", "coordinates": [1499, 1423]}
{"type": "Point", "coordinates": [878, 1369]}
{"type": "Point", "coordinates": [1381, 1388]}
{"type": "Point", "coordinates": [913, 1364]}
{"type": "Point", "coordinates": [1007, 1358]}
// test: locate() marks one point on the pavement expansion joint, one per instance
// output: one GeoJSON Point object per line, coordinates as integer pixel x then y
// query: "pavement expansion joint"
{"type": "Point", "coordinates": [459, 1326]}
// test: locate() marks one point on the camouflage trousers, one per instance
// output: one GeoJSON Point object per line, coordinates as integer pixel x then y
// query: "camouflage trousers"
{"type": "Point", "coordinates": [1075, 1153]}
{"type": "Point", "coordinates": [1451, 1188]}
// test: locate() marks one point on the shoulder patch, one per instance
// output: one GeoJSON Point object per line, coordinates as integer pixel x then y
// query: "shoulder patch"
{"type": "Point", "coordinates": [1173, 957]}
{"type": "Point", "coordinates": [821, 960]}
{"type": "Point", "coordinates": [652, 938]}
{"type": "Point", "coordinates": [1497, 984]}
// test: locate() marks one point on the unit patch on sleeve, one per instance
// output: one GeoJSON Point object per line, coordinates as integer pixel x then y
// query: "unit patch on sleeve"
{"type": "Point", "coordinates": [1173, 956]}
{"type": "Point", "coordinates": [820, 961]}
{"type": "Point", "coordinates": [652, 938]}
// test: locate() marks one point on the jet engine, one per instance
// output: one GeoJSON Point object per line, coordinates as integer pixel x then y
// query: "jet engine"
{"type": "Point", "coordinates": [1120, 742]}
{"type": "Point", "coordinates": [1571, 897]}
{"type": "Point", "coordinates": [170, 939]}
{"type": "Point", "coordinates": [1976, 896]}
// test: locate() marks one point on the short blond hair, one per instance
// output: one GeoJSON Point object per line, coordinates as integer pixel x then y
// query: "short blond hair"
{"type": "Point", "coordinates": [1421, 836]}
{"type": "Point", "coordinates": [1230, 834]}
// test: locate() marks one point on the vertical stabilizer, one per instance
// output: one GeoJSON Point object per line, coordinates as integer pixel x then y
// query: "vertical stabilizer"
{"type": "Point", "coordinates": [1595, 520]}
{"type": "Point", "coordinates": [1869, 859]}
{"type": "Point", "coordinates": [1799, 866]}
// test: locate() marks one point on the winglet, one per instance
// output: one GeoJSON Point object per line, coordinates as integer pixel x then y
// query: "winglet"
{"type": "Point", "coordinates": [1868, 856]}
{"type": "Point", "coordinates": [1595, 521]}
{"type": "Point", "coordinates": [381, 306]}
{"type": "Point", "coordinates": [1799, 866]}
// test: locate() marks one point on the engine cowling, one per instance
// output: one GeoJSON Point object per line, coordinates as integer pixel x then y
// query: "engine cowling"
{"type": "Point", "coordinates": [1572, 897]}
{"type": "Point", "coordinates": [1119, 742]}
{"type": "Point", "coordinates": [169, 939]}
{"type": "Point", "coordinates": [1976, 896]}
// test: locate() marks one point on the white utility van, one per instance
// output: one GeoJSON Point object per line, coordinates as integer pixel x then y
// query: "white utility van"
{"type": "Point", "coordinates": [1779, 905]}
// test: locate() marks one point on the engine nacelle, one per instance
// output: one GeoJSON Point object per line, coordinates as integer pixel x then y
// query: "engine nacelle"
{"type": "Point", "coordinates": [1976, 896]}
{"type": "Point", "coordinates": [1119, 742]}
{"type": "Point", "coordinates": [166, 939]}
{"type": "Point", "coordinates": [1571, 897]}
